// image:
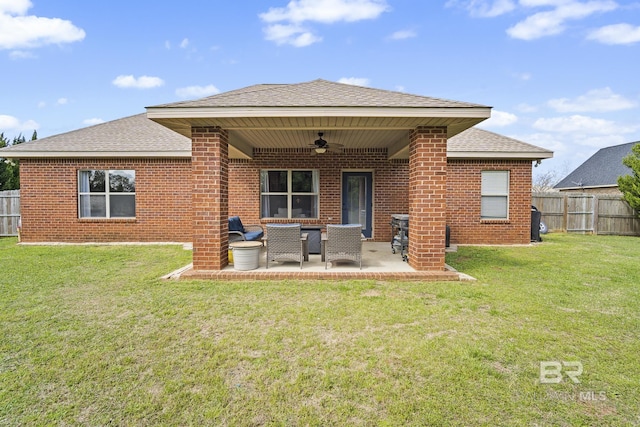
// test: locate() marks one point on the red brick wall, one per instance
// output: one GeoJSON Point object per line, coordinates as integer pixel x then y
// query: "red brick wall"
{"type": "Point", "coordinates": [463, 203]}
{"type": "Point", "coordinates": [164, 195]}
{"type": "Point", "coordinates": [390, 181]}
{"type": "Point", "coordinates": [209, 163]}
{"type": "Point", "coordinates": [427, 197]}
{"type": "Point", "coordinates": [49, 202]}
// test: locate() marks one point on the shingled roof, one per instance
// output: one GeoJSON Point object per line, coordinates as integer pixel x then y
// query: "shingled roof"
{"type": "Point", "coordinates": [600, 170]}
{"type": "Point", "coordinates": [317, 93]}
{"type": "Point", "coordinates": [133, 136]}
{"type": "Point", "coordinates": [138, 136]}
{"type": "Point", "coordinates": [475, 143]}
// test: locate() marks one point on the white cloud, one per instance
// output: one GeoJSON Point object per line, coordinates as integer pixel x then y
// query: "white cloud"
{"type": "Point", "coordinates": [21, 31]}
{"type": "Point", "coordinates": [400, 88]}
{"type": "Point", "coordinates": [600, 100]}
{"type": "Point", "coordinates": [553, 22]}
{"type": "Point", "coordinates": [581, 125]}
{"type": "Point", "coordinates": [616, 34]}
{"type": "Point", "coordinates": [197, 91]}
{"type": "Point", "coordinates": [62, 101]}
{"type": "Point", "coordinates": [142, 82]}
{"type": "Point", "coordinates": [403, 34]}
{"type": "Point", "coordinates": [326, 11]}
{"type": "Point", "coordinates": [483, 8]}
{"type": "Point", "coordinates": [42, 104]}
{"type": "Point", "coordinates": [499, 119]}
{"type": "Point", "coordinates": [184, 43]}
{"type": "Point", "coordinates": [294, 35]}
{"type": "Point", "coordinates": [286, 23]}
{"type": "Point", "coordinates": [92, 121]}
{"type": "Point", "coordinates": [167, 44]}
{"type": "Point", "coordinates": [10, 123]}
{"type": "Point", "coordinates": [356, 81]}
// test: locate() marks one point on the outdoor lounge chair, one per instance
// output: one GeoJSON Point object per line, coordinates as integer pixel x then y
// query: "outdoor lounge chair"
{"type": "Point", "coordinates": [344, 243]}
{"type": "Point", "coordinates": [284, 243]}
{"type": "Point", "coordinates": [239, 232]}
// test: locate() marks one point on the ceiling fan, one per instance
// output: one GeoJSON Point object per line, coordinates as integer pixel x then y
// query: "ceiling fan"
{"type": "Point", "coordinates": [321, 146]}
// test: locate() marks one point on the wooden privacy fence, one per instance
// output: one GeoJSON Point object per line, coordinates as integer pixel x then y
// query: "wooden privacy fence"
{"type": "Point", "coordinates": [587, 213]}
{"type": "Point", "coordinates": [9, 212]}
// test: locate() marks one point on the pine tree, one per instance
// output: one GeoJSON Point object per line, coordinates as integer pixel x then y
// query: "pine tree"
{"type": "Point", "coordinates": [629, 185]}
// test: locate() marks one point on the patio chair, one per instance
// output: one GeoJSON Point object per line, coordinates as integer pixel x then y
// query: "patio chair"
{"type": "Point", "coordinates": [284, 243]}
{"type": "Point", "coordinates": [344, 243]}
{"type": "Point", "coordinates": [239, 232]}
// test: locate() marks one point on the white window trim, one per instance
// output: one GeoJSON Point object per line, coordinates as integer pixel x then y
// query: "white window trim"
{"type": "Point", "coordinates": [107, 194]}
{"type": "Point", "coordinates": [495, 194]}
{"type": "Point", "coordinates": [291, 194]}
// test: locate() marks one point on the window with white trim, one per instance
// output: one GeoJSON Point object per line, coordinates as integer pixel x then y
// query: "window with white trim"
{"type": "Point", "coordinates": [289, 193]}
{"type": "Point", "coordinates": [495, 195]}
{"type": "Point", "coordinates": [106, 194]}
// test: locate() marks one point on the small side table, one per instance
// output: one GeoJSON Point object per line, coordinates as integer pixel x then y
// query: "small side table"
{"type": "Point", "coordinates": [246, 254]}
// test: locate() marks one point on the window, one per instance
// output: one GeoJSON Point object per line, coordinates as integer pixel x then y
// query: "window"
{"type": "Point", "coordinates": [289, 193]}
{"type": "Point", "coordinates": [107, 194]}
{"type": "Point", "coordinates": [495, 195]}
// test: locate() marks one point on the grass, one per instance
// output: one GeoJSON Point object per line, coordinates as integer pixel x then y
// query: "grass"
{"type": "Point", "coordinates": [91, 336]}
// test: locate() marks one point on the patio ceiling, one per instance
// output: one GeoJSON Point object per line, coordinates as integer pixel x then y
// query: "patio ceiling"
{"type": "Point", "coordinates": [291, 115]}
{"type": "Point", "coordinates": [247, 133]}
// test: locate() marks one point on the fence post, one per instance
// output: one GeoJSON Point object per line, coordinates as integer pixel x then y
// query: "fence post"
{"type": "Point", "coordinates": [596, 209]}
{"type": "Point", "coordinates": [565, 209]}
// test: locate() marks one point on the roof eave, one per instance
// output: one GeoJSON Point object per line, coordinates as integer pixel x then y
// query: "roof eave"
{"type": "Point", "coordinates": [515, 155]}
{"type": "Point", "coordinates": [15, 154]}
{"type": "Point", "coordinates": [319, 111]}
{"type": "Point", "coordinates": [587, 187]}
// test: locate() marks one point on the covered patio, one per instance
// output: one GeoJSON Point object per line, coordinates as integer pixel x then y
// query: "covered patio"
{"type": "Point", "coordinates": [378, 263]}
{"type": "Point", "coordinates": [269, 126]}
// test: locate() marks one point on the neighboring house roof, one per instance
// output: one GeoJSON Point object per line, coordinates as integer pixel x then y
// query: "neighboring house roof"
{"type": "Point", "coordinates": [600, 170]}
{"type": "Point", "coordinates": [137, 136]}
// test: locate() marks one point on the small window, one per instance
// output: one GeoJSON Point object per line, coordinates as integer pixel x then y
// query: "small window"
{"type": "Point", "coordinates": [107, 194]}
{"type": "Point", "coordinates": [289, 193]}
{"type": "Point", "coordinates": [495, 195]}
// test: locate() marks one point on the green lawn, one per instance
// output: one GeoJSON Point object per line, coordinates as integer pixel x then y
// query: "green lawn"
{"type": "Point", "coordinates": [91, 336]}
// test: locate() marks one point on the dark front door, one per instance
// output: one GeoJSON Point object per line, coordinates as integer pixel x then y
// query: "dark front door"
{"type": "Point", "coordinates": [357, 199]}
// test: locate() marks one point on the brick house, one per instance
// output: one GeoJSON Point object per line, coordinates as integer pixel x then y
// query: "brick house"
{"type": "Point", "coordinates": [177, 172]}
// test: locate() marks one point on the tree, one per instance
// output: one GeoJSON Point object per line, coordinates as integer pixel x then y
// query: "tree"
{"type": "Point", "coordinates": [9, 168]}
{"type": "Point", "coordinates": [629, 185]}
{"type": "Point", "coordinates": [545, 181]}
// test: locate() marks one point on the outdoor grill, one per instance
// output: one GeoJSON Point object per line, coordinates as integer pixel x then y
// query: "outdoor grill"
{"type": "Point", "coordinates": [400, 234]}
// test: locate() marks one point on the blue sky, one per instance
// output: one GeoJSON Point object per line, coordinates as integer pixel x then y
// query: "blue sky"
{"type": "Point", "coordinates": [561, 74]}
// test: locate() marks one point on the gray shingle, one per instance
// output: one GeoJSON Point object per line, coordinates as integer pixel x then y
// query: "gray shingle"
{"type": "Point", "coordinates": [317, 93]}
{"type": "Point", "coordinates": [475, 139]}
{"type": "Point", "coordinates": [600, 170]}
{"type": "Point", "coordinates": [133, 133]}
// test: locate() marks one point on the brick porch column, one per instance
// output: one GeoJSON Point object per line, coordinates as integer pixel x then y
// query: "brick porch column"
{"type": "Point", "coordinates": [427, 197]}
{"type": "Point", "coordinates": [209, 165]}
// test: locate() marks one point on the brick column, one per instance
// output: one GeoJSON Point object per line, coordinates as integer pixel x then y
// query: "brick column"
{"type": "Point", "coordinates": [209, 164]}
{"type": "Point", "coordinates": [427, 197]}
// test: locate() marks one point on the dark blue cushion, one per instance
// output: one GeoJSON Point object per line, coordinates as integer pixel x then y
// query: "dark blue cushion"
{"type": "Point", "coordinates": [254, 235]}
{"type": "Point", "coordinates": [235, 224]}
